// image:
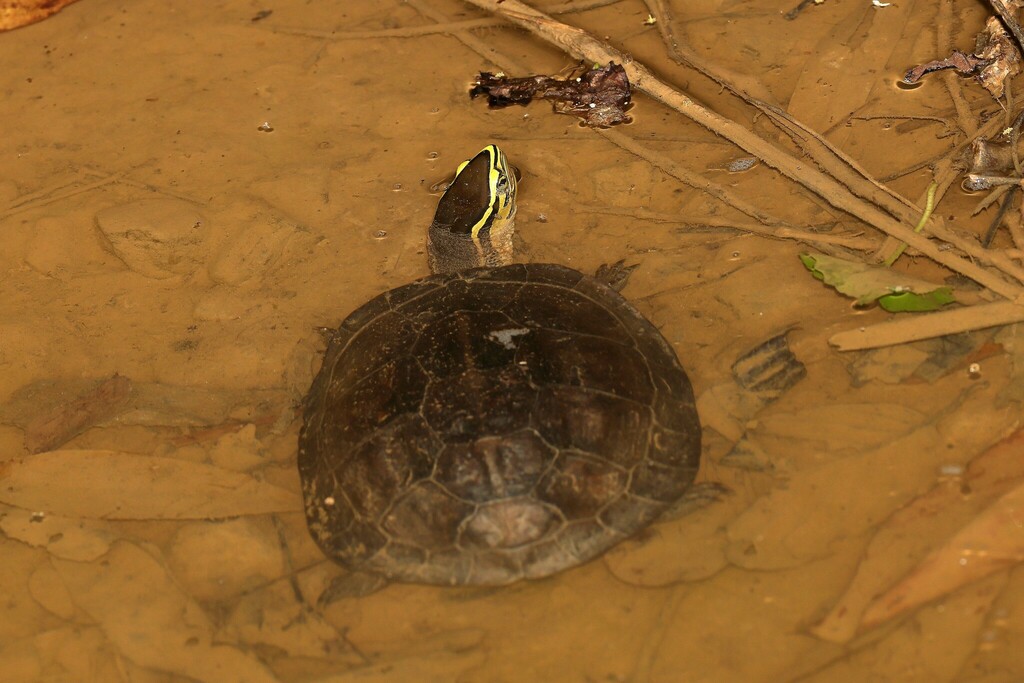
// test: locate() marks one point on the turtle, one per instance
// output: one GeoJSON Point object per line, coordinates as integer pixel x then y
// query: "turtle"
{"type": "Point", "coordinates": [494, 421]}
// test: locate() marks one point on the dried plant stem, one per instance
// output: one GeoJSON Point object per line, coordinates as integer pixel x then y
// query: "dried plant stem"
{"type": "Point", "coordinates": [938, 324]}
{"type": "Point", "coordinates": [448, 27]}
{"type": "Point", "coordinates": [829, 158]}
{"type": "Point", "coordinates": [928, 208]}
{"type": "Point", "coordinates": [401, 32]}
{"type": "Point", "coordinates": [966, 119]}
{"type": "Point", "coordinates": [849, 241]}
{"type": "Point", "coordinates": [584, 46]}
{"type": "Point", "coordinates": [62, 190]}
{"type": "Point", "coordinates": [945, 173]}
{"type": "Point", "coordinates": [685, 175]}
{"type": "Point", "coordinates": [840, 166]}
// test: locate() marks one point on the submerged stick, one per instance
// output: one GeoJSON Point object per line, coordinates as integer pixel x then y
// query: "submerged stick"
{"type": "Point", "coordinates": [929, 326]}
{"type": "Point", "coordinates": [584, 46]}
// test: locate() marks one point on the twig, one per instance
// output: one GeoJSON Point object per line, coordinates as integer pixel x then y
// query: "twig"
{"type": "Point", "coordinates": [448, 27]}
{"type": "Point", "coordinates": [840, 166]}
{"type": "Point", "coordinates": [483, 48]}
{"type": "Point", "coordinates": [944, 45]}
{"type": "Point", "coordinates": [582, 45]}
{"type": "Point", "coordinates": [928, 326]}
{"type": "Point", "coordinates": [857, 242]}
{"type": "Point", "coordinates": [832, 160]}
{"type": "Point", "coordinates": [574, 6]}
{"type": "Point", "coordinates": [42, 198]}
{"type": "Point", "coordinates": [401, 32]}
{"type": "Point", "coordinates": [946, 173]}
{"type": "Point", "coordinates": [685, 175]}
{"type": "Point", "coordinates": [1000, 215]}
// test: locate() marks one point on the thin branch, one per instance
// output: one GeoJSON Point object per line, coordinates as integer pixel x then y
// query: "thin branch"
{"type": "Point", "coordinates": [584, 46]}
{"type": "Point", "coordinates": [944, 45]}
{"type": "Point", "coordinates": [685, 175]}
{"type": "Point", "coordinates": [938, 324]}
{"type": "Point", "coordinates": [847, 240]}
{"type": "Point", "coordinates": [401, 32]}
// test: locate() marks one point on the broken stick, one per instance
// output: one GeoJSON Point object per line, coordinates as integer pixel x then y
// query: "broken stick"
{"type": "Point", "coordinates": [582, 45]}
{"type": "Point", "coordinates": [929, 326]}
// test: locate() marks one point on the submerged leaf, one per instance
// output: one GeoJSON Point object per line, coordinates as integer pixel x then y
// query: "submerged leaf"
{"type": "Point", "coordinates": [54, 427]}
{"type": "Point", "coordinates": [868, 284]}
{"type": "Point", "coordinates": [992, 542]}
{"type": "Point", "coordinates": [151, 622]}
{"type": "Point", "coordinates": [988, 539]}
{"type": "Point", "coordinates": [899, 302]}
{"type": "Point", "coordinates": [115, 485]}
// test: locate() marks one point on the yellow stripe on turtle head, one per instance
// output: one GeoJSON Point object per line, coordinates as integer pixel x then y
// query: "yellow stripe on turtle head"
{"type": "Point", "coordinates": [482, 194]}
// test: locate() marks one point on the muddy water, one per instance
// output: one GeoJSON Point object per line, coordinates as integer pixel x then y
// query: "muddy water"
{"type": "Point", "coordinates": [188, 191]}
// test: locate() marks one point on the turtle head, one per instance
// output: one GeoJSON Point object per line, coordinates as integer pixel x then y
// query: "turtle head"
{"type": "Point", "coordinates": [475, 217]}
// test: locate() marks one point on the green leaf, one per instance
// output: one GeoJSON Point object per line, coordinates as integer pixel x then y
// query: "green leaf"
{"type": "Point", "coordinates": [867, 284]}
{"type": "Point", "coordinates": [913, 302]}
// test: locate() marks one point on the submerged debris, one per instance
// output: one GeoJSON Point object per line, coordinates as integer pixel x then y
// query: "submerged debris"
{"type": "Point", "coordinates": [599, 96]}
{"type": "Point", "coordinates": [769, 369]}
{"type": "Point", "coordinates": [990, 156]}
{"type": "Point", "coordinates": [995, 58]}
{"type": "Point", "coordinates": [55, 427]}
{"type": "Point", "coordinates": [866, 284]}
{"type": "Point", "coordinates": [992, 164]}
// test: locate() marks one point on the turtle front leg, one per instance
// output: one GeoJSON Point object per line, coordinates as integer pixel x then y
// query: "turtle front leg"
{"type": "Point", "coordinates": [615, 275]}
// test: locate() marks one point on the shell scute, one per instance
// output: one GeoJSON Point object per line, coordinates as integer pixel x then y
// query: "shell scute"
{"type": "Point", "coordinates": [492, 425]}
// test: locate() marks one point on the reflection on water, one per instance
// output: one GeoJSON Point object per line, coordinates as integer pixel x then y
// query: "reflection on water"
{"type": "Point", "coordinates": [187, 196]}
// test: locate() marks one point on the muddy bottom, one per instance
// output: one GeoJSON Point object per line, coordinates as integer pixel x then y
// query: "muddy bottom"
{"type": "Point", "coordinates": [190, 192]}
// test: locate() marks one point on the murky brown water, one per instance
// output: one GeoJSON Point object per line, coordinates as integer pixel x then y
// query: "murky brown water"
{"type": "Point", "coordinates": [282, 166]}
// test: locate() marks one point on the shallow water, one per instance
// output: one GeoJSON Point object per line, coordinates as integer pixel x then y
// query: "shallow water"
{"type": "Point", "coordinates": [282, 166]}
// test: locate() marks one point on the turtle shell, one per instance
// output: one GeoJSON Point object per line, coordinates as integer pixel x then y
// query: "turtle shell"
{"type": "Point", "coordinates": [491, 425]}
